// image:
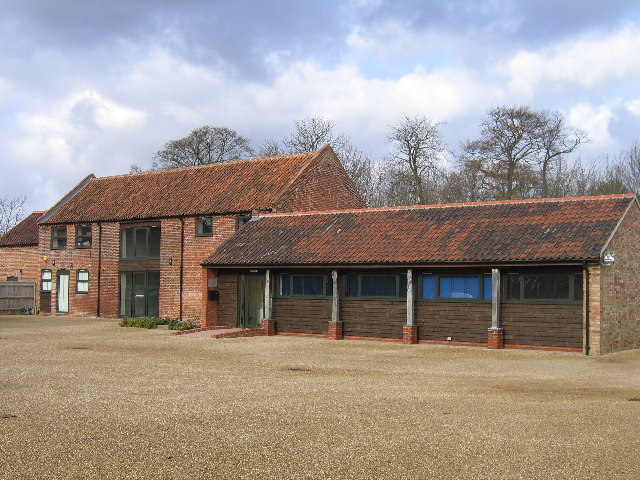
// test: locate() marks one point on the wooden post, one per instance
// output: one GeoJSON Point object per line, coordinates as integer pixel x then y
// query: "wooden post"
{"type": "Point", "coordinates": [410, 314]}
{"type": "Point", "coordinates": [335, 325]}
{"type": "Point", "coordinates": [495, 298]}
{"type": "Point", "coordinates": [267, 294]}
{"type": "Point", "coordinates": [335, 305]}
{"type": "Point", "coordinates": [410, 330]}
{"type": "Point", "coordinates": [495, 337]}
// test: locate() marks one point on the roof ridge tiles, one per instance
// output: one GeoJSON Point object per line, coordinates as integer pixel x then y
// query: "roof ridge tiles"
{"type": "Point", "coordinates": [209, 165]}
{"type": "Point", "coordinates": [452, 205]}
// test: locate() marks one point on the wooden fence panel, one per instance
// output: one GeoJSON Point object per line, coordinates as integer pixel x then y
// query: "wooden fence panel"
{"type": "Point", "coordinates": [14, 296]}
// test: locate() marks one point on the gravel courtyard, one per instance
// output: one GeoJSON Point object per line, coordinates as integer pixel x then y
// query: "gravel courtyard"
{"type": "Point", "coordinates": [86, 399]}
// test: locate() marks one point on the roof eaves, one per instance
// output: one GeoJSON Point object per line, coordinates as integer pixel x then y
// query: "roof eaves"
{"type": "Point", "coordinates": [72, 193]}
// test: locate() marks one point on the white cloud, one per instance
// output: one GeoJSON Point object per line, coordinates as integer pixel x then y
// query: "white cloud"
{"type": "Point", "coordinates": [634, 107]}
{"type": "Point", "coordinates": [595, 121]}
{"type": "Point", "coordinates": [588, 62]}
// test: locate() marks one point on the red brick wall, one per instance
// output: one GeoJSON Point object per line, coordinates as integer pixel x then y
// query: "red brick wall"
{"type": "Point", "coordinates": [620, 289]}
{"type": "Point", "coordinates": [21, 262]}
{"type": "Point", "coordinates": [325, 186]}
{"type": "Point", "coordinates": [72, 259]}
{"type": "Point", "coordinates": [195, 250]}
{"type": "Point", "coordinates": [109, 274]}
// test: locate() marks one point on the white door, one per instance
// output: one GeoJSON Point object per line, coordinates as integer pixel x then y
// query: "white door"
{"type": "Point", "coordinates": [63, 292]}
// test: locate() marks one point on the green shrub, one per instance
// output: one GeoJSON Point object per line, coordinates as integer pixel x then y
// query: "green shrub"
{"type": "Point", "coordinates": [176, 325]}
{"type": "Point", "coordinates": [153, 322]}
{"type": "Point", "coordinates": [142, 322]}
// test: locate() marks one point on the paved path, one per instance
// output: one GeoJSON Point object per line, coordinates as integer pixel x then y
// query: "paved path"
{"type": "Point", "coordinates": [209, 333]}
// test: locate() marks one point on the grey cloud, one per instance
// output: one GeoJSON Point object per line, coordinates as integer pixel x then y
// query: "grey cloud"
{"type": "Point", "coordinates": [237, 34]}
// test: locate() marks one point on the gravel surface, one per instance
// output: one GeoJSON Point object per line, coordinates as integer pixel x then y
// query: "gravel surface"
{"type": "Point", "coordinates": [86, 399]}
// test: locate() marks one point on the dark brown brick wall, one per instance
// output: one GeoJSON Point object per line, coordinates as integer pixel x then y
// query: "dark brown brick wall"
{"type": "Point", "coordinates": [373, 318]}
{"type": "Point", "coordinates": [548, 325]}
{"type": "Point", "coordinates": [462, 321]}
{"type": "Point", "coordinates": [302, 315]}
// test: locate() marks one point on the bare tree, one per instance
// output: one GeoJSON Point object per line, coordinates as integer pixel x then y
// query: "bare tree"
{"type": "Point", "coordinates": [509, 143]}
{"type": "Point", "coordinates": [135, 168]}
{"type": "Point", "coordinates": [556, 141]}
{"type": "Point", "coordinates": [417, 154]}
{"type": "Point", "coordinates": [270, 148]}
{"type": "Point", "coordinates": [631, 167]}
{"type": "Point", "coordinates": [11, 212]}
{"type": "Point", "coordinates": [202, 146]}
{"type": "Point", "coordinates": [311, 134]}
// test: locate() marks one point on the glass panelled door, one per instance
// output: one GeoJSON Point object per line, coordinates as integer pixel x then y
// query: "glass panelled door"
{"type": "Point", "coordinates": [63, 291]}
{"type": "Point", "coordinates": [250, 300]}
{"type": "Point", "coordinates": [139, 294]}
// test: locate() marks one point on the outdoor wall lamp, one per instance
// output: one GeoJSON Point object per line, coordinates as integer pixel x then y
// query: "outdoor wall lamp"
{"type": "Point", "coordinates": [170, 260]}
{"type": "Point", "coordinates": [608, 258]}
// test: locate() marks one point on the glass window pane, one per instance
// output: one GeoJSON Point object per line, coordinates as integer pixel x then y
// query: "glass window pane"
{"type": "Point", "coordinates": [378, 285]}
{"type": "Point", "coordinates": [459, 287]}
{"type": "Point", "coordinates": [308, 284]}
{"type": "Point", "coordinates": [154, 242]}
{"type": "Point", "coordinates": [428, 286]}
{"type": "Point", "coordinates": [329, 286]}
{"type": "Point", "coordinates": [546, 287]}
{"type": "Point", "coordinates": [513, 286]}
{"type": "Point", "coordinates": [204, 226]}
{"type": "Point", "coordinates": [141, 242]}
{"type": "Point", "coordinates": [153, 294]}
{"type": "Point", "coordinates": [285, 287]}
{"type": "Point", "coordinates": [351, 287]}
{"type": "Point", "coordinates": [577, 287]}
{"type": "Point", "coordinates": [403, 286]}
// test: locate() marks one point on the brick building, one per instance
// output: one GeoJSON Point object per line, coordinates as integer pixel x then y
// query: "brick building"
{"type": "Point", "coordinates": [131, 245]}
{"type": "Point", "coordinates": [548, 274]}
{"type": "Point", "coordinates": [19, 255]}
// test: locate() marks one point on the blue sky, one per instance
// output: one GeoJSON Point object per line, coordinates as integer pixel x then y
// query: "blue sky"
{"type": "Point", "coordinates": [91, 86]}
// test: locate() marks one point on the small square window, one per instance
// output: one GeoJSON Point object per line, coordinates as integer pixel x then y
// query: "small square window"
{"type": "Point", "coordinates": [58, 238]}
{"type": "Point", "coordinates": [82, 281]}
{"type": "Point", "coordinates": [45, 281]}
{"type": "Point", "coordinates": [204, 227]}
{"type": "Point", "coordinates": [83, 236]}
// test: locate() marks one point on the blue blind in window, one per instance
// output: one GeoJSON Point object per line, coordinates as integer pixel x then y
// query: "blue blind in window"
{"type": "Point", "coordinates": [459, 287]}
{"type": "Point", "coordinates": [428, 286]}
{"type": "Point", "coordinates": [486, 287]}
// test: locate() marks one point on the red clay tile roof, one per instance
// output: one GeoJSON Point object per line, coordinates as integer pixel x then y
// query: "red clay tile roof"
{"type": "Point", "coordinates": [513, 231]}
{"type": "Point", "coordinates": [235, 186]}
{"type": "Point", "coordinates": [23, 234]}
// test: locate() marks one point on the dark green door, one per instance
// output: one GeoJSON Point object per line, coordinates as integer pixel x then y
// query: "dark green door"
{"type": "Point", "coordinates": [250, 300]}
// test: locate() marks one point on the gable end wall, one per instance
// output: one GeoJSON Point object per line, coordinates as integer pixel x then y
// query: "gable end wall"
{"type": "Point", "coordinates": [619, 289]}
{"type": "Point", "coordinates": [325, 186]}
